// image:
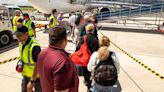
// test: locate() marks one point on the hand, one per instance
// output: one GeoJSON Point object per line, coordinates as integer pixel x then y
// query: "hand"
{"type": "Point", "coordinates": [30, 87]}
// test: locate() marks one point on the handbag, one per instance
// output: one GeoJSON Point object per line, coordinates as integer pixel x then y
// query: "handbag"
{"type": "Point", "coordinates": [19, 66]}
{"type": "Point", "coordinates": [82, 56]}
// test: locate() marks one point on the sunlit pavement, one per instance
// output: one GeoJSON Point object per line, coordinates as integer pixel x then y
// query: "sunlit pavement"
{"type": "Point", "coordinates": [147, 48]}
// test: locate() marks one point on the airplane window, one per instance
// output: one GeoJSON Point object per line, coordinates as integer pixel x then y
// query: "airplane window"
{"type": "Point", "coordinates": [79, 1]}
{"type": "Point", "coordinates": [72, 1]}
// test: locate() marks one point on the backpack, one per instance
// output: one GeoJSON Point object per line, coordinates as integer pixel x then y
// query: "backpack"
{"type": "Point", "coordinates": [105, 72]}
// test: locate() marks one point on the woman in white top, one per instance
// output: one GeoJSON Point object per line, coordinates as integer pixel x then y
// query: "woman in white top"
{"type": "Point", "coordinates": [96, 58]}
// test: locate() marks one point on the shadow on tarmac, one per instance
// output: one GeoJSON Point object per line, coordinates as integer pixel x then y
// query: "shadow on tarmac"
{"type": "Point", "coordinates": [13, 45]}
{"type": "Point", "coordinates": [131, 30]}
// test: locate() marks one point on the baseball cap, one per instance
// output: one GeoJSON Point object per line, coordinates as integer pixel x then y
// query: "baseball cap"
{"type": "Point", "coordinates": [21, 30]}
{"type": "Point", "coordinates": [26, 14]}
{"type": "Point", "coordinates": [86, 17]}
{"type": "Point", "coordinates": [78, 13]}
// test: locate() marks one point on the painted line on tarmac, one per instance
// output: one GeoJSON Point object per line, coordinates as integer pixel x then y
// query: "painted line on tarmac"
{"type": "Point", "coordinates": [131, 79]}
{"type": "Point", "coordinates": [9, 60]}
{"type": "Point", "coordinates": [136, 60]}
{"type": "Point", "coordinates": [10, 76]}
{"type": "Point", "coordinates": [15, 58]}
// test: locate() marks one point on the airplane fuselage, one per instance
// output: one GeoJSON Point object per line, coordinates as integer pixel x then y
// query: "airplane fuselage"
{"type": "Point", "coordinates": [46, 6]}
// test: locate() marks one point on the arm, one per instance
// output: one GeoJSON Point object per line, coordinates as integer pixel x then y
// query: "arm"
{"type": "Point", "coordinates": [31, 84]}
{"type": "Point", "coordinates": [33, 28]}
{"type": "Point", "coordinates": [81, 41]}
{"type": "Point", "coordinates": [77, 21]}
{"type": "Point", "coordinates": [116, 62]}
{"type": "Point", "coordinates": [51, 21]}
{"type": "Point", "coordinates": [93, 61]}
{"type": "Point", "coordinates": [73, 30]}
{"type": "Point", "coordinates": [20, 20]}
{"type": "Point", "coordinates": [62, 73]}
{"type": "Point", "coordinates": [35, 53]}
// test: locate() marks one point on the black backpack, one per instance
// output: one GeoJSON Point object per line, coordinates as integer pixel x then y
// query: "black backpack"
{"type": "Point", "coordinates": [105, 72]}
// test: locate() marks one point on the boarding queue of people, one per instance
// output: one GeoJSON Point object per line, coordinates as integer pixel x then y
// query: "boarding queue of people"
{"type": "Point", "coordinates": [55, 70]}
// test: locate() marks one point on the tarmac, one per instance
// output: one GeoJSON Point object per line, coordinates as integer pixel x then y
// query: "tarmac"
{"type": "Point", "coordinates": [147, 48]}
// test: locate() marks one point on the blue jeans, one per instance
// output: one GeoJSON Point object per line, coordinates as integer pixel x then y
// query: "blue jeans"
{"type": "Point", "coordinates": [25, 81]}
{"type": "Point", "coordinates": [99, 88]}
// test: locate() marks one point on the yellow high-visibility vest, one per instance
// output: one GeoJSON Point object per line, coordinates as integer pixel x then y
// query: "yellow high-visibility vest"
{"type": "Point", "coordinates": [15, 22]}
{"type": "Point", "coordinates": [28, 25]}
{"type": "Point", "coordinates": [54, 23]}
{"type": "Point", "coordinates": [26, 56]}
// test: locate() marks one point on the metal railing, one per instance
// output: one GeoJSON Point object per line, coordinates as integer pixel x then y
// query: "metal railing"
{"type": "Point", "coordinates": [130, 12]}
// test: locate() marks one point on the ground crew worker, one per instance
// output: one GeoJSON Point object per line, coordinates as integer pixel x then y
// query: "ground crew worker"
{"type": "Point", "coordinates": [16, 20]}
{"type": "Point", "coordinates": [29, 50]}
{"type": "Point", "coordinates": [53, 20]}
{"type": "Point", "coordinates": [29, 24]}
{"type": "Point", "coordinates": [60, 17]}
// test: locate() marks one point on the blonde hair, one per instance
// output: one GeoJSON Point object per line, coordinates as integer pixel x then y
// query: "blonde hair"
{"type": "Point", "coordinates": [89, 28]}
{"type": "Point", "coordinates": [104, 41]}
{"type": "Point", "coordinates": [103, 53]}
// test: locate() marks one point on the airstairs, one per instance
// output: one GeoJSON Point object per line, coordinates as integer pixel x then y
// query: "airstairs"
{"type": "Point", "coordinates": [145, 16]}
{"type": "Point", "coordinates": [131, 12]}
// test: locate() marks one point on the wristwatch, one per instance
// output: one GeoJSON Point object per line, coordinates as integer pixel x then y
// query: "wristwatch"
{"type": "Point", "coordinates": [32, 81]}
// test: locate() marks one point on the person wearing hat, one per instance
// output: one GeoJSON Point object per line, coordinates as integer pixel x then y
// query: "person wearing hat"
{"type": "Point", "coordinates": [29, 49]}
{"type": "Point", "coordinates": [29, 24]}
{"type": "Point", "coordinates": [16, 20]}
{"type": "Point", "coordinates": [83, 27]}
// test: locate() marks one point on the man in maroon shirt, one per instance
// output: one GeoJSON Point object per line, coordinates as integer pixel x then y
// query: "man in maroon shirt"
{"type": "Point", "coordinates": [57, 72]}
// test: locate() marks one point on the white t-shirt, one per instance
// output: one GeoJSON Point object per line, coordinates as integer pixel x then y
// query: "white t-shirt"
{"type": "Point", "coordinates": [94, 60]}
{"type": "Point", "coordinates": [72, 19]}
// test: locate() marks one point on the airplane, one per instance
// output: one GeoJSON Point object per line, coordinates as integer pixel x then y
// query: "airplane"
{"type": "Point", "coordinates": [45, 6]}
{"type": "Point", "coordinates": [20, 3]}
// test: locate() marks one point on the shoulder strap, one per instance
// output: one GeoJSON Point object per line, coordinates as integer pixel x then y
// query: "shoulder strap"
{"type": "Point", "coordinates": [106, 61]}
{"type": "Point", "coordinates": [110, 57]}
{"type": "Point", "coordinates": [85, 39]}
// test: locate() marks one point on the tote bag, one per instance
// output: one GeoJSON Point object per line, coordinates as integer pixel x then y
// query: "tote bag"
{"type": "Point", "coordinates": [82, 56]}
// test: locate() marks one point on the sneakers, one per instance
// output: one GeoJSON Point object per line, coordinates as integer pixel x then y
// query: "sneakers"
{"type": "Point", "coordinates": [89, 90]}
